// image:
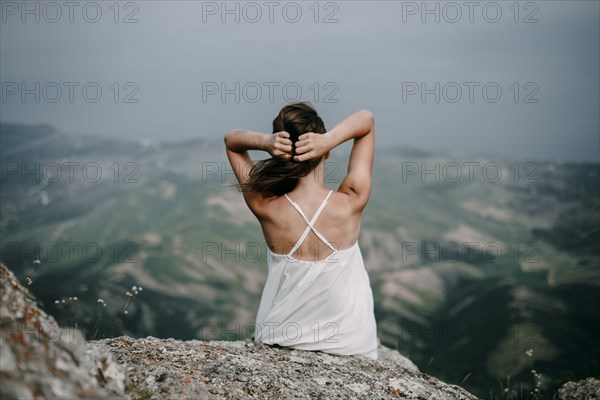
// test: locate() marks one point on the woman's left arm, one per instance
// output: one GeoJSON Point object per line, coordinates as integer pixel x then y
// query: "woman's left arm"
{"type": "Point", "coordinates": [239, 141]}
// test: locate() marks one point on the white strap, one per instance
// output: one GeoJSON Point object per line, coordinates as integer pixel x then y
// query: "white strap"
{"type": "Point", "coordinates": [310, 224]}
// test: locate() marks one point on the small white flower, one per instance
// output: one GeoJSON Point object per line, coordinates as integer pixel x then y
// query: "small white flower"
{"type": "Point", "coordinates": [529, 352]}
{"type": "Point", "coordinates": [63, 300]}
{"type": "Point", "coordinates": [75, 298]}
{"type": "Point", "coordinates": [134, 288]}
{"type": "Point", "coordinates": [70, 299]}
{"type": "Point", "coordinates": [140, 289]}
{"type": "Point", "coordinates": [56, 301]}
{"type": "Point", "coordinates": [100, 301]}
{"type": "Point", "coordinates": [29, 281]}
{"type": "Point", "coordinates": [37, 262]}
{"type": "Point", "coordinates": [104, 304]}
{"type": "Point", "coordinates": [125, 312]}
{"type": "Point", "coordinates": [128, 294]}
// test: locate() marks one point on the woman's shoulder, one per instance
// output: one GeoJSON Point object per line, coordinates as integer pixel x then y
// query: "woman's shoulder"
{"type": "Point", "coordinates": [340, 205]}
{"type": "Point", "coordinates": [348, 201]}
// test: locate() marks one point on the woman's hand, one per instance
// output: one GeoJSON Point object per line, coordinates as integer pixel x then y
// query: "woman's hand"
{"type": "Point", "coordinates": [279, 145]}
{"type": "Point", "coordinates": [311, 145]}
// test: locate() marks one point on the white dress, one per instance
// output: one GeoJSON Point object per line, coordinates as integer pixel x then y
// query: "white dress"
{"type": "Point", "coordinates": [325, 305]}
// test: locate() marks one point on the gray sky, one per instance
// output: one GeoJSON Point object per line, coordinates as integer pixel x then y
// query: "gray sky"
{"type": "Point", "coordinates": [379, 55]}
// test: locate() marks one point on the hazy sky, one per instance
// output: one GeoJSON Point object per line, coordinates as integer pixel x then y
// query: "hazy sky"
{"type": "Point", "coordinates": [515, 81]}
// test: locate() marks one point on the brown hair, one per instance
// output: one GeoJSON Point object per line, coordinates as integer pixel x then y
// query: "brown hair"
{"type": "Point", "coordinates": [277, 176]}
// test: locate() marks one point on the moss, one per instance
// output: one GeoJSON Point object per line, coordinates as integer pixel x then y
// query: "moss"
{"type": "Point", "coordinates": [144, 394]}
{"type": "Point", "coordinates": [138, 393]}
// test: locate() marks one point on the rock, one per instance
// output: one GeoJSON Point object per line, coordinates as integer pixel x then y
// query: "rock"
{"type": "Point", "coordinates": [39, 359]}
{"type": "Point", "coordinates": [586, 389]}
{"type": "Point", "coordinates": [233, 370]}
{"type": "Point", "coordinates": [385, 353]}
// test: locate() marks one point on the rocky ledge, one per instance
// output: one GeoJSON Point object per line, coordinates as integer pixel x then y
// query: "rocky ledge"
{"type": "Point", "coordinates": [161, 368]}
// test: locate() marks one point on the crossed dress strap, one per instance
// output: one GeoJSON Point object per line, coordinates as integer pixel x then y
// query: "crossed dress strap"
{"type": "Point", "coordinates": [310, 224]}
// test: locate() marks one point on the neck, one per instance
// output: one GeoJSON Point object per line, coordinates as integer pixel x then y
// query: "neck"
{"type": "Point", "coordinates": [314, 180]}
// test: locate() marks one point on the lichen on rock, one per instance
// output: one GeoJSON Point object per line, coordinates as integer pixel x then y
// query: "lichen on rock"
{"type": "Point", "coordinates": [39, 359]}
{"type": "Point", "coordinates": [585, 389]}
{"type": "Point", "coordinates": [243, 369]}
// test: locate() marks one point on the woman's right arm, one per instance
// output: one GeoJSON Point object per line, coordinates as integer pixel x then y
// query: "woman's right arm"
{"type": "Point", "coordinates": [359, 126]}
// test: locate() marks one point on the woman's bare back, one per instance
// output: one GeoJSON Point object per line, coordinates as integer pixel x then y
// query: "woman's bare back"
{"type": "Point", "coordinates": [283, 225]}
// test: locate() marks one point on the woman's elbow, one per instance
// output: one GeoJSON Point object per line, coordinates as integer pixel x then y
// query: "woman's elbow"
{"type": "Point", "coordinates": [229, 136]}
{"type": "Point", "coordinates": [368, 115]}
{"type": "Point", "coordinates": [369, 118]}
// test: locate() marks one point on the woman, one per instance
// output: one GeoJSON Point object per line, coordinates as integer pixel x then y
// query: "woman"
{"type": "Point", "coordinates": [317, 295]}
